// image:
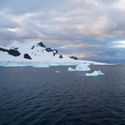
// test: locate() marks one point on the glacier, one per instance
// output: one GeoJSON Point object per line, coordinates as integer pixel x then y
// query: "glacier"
{"type": "Point", "coordinates": [24, 64]}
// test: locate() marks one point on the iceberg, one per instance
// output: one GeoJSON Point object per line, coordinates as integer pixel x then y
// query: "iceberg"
{"type": "Point", "coordinates": [80, 67]}
{"type": "Point", "coordinates": [71, 69]}
{"type": "Point", "coordinates": [95, 73]}
{"type": "Point", "coordinates": [83, 67]}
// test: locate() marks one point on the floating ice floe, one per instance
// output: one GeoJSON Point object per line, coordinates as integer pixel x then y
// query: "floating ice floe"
{"type": "Point", "coordinates": [57, 71]}
{"type": "Point", "coordinates": [80, 67]}
{"type": "Point", "coordinates": [95, 73]}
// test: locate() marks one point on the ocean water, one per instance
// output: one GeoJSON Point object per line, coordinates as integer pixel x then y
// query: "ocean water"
{"type": "Point", "coordinates": [54, 96]}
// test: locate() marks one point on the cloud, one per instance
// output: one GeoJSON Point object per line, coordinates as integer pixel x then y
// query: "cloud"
{"type": "Point", "coordinates": [118, 44]}
{"type": "Point", "coordinates": [87, 28]}
{"type": "Point", "coordinates": [120, 5]}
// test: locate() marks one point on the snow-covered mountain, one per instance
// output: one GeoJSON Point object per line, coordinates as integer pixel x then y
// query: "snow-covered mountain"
{"type": "Point", "coordinates": [31, 52]}
{"type": "Point", "coordinates": [36, 52]}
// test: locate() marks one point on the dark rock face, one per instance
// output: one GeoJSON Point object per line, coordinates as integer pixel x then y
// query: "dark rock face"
{"type": "Point", "coordinates": [60, 56]}
{"type": "Point", "coordinates": [73, 57]}
{"type": "Point", "coordinates": [55, 52]}
{"type": "Point", "coordinates": [4, 50]}
{"type": "Point", "coordinates": [49, 49]}
{"type": "Point", "coordinates": [26, 56]}
{"type": "Point", "coordinates": [52, 50]}
{"type": "Point", "coordinates": [32, 47]}
{"type": "Point", "coordinates": [13, 52]}
{"type": "Point", "coordinates": [41, 44]}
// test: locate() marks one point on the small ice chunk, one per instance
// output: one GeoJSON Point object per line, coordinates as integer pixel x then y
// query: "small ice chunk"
{"type": "Point", "coordinates": [95, 73]}
{"type": "Point", "coordinates": [80, 67]}
{"type": "Point", "coordinates": [71, 69]}
{"type": "Point", "coordinates": [57, 71]}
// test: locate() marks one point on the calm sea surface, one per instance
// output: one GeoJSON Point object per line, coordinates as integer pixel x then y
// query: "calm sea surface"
{"type": "Point", "coordinates": [40, 96]}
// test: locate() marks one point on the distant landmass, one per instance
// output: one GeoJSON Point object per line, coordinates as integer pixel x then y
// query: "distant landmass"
{"type": "Point", "coordinates": [36, 52]}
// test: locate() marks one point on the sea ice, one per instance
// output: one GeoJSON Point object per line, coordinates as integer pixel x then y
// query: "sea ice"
{"type": "Point", "coordinates": [80, 67]}
{"type": "Point", "coordinates": [57, 71]}
{"type": "Point", "coordinates": [95, 73]}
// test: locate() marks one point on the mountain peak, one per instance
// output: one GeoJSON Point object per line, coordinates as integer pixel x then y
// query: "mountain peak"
{"type": "Point", "coordinates": [35, 51]}
{"type": "Point", "coordinates": [41, 44]}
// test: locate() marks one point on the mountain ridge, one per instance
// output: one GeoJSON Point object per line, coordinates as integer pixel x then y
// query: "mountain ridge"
{"type": "Point", "coordinates": [37, 55]}
{"type": "Point", "coordinates": [37, 51]}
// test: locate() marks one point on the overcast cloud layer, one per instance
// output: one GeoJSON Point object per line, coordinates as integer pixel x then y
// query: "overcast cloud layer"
{"type": "Point", "coordinates": [85, 28]}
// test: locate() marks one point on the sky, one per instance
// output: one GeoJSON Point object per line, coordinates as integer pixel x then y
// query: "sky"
{"type": "Point", "coordinates": [89, 29]}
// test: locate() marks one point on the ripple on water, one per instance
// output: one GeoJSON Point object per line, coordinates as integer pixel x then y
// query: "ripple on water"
{"type": "Point", "coordinates": [43, 97]}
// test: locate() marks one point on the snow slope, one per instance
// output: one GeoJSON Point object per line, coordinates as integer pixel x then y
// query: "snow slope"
{"type": "Point", "coordinates": [37, 53]}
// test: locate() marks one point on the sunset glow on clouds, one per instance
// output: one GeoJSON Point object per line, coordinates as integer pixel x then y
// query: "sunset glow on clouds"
{"type": "Point", "coordinates": [86, 28]}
